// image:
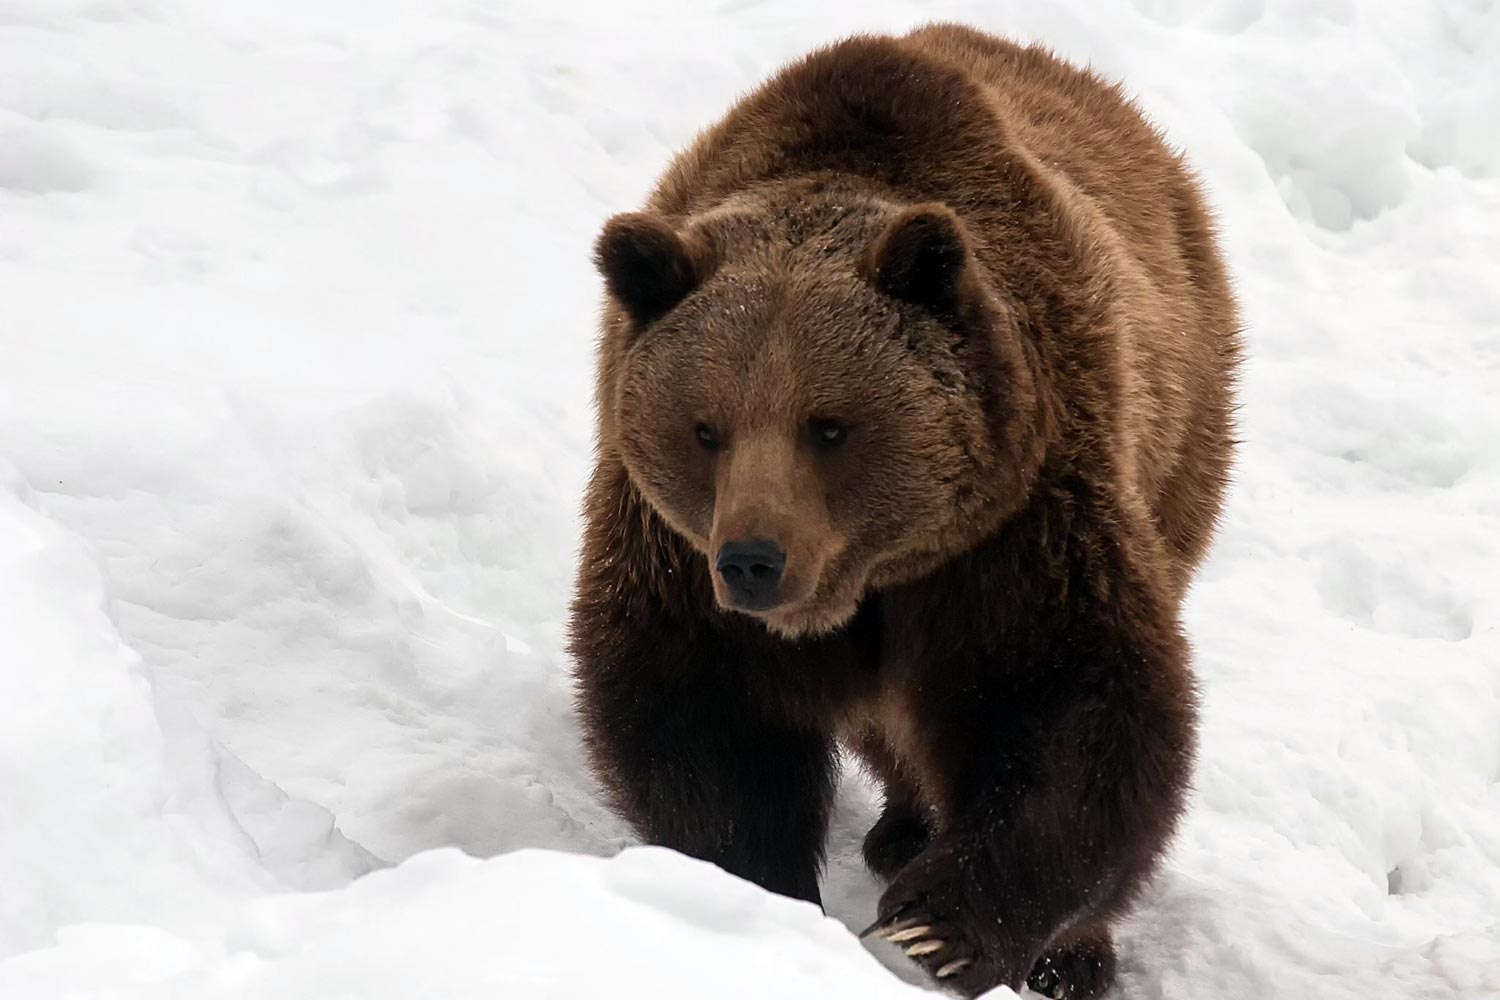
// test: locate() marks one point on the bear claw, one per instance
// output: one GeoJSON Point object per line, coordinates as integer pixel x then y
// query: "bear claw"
{"type": "Point", "coordinates": [889, 923]}
{"type": "Point", "coordinates": [952, 968]}
{"type": "Point", "coordinates": [924, 947]}
{"type": "Point", "coordinates": [908, 934]}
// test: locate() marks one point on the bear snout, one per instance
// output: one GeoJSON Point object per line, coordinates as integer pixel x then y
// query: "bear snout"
{"type": "Point", "coordinates": [751, 570]}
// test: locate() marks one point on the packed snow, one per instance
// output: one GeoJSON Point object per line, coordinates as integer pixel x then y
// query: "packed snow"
{"type": "Point", "coordinates": [297, 316]}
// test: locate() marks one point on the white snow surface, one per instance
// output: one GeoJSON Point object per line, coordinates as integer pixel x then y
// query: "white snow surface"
{"type": "Point", "coordinates": [296, 322]}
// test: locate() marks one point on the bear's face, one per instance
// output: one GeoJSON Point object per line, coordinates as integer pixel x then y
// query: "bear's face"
{"type": "Point", "coordinates": [803, 402]}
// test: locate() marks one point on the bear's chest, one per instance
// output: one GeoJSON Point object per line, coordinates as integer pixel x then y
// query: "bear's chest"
{"type": "Point", "coordinates": [881, 722]}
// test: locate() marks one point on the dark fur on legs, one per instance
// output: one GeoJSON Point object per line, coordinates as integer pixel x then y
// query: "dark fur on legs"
{"type": "Point", "coordinates": [1079, 965]}
{"type": "Point", "coordinates": [905, 826]}
{"type": "Point", "coordinates": [896, 839]}
{"type": "Point", "coordinates": [1058, 771]}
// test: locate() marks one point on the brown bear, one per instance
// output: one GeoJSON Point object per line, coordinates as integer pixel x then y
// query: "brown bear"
{"type": "Point", "coordinates": [914, 403]}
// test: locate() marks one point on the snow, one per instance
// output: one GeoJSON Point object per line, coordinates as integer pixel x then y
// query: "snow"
{"type": "Point", "coordinates": [294, 416]}
{"type": "Point", "coordinates": [582, 921]}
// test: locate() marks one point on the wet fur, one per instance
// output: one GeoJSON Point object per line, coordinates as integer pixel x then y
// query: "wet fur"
{"type": "Point", "coordinates": [1019, 682]}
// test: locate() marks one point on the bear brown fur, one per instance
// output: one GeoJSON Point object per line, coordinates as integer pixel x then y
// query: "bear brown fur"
{"type": "Point", "coordinates": [914, 402]}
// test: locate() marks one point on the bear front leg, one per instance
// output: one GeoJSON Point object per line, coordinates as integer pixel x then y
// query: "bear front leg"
{"type": "Point", "coordinates": [694, 762]}
{"type": "Point", "coordinates": [1055, 817]}
{"type": "Point", "coordinates": [697, 768]}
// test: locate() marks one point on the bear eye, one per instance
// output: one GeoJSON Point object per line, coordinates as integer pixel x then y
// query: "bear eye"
{"type": "Point", "coordinates": [829, 433]}
{"type": "Point", "coordinates": [707, 437]}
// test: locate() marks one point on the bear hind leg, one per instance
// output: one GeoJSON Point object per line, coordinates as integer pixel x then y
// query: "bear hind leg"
{"type": "Point", "coordinates": [901, 833]}
{"type": "Point", "coordinates": [1079, 965]}
{"type": "Point", "coordinates": [904, 828]}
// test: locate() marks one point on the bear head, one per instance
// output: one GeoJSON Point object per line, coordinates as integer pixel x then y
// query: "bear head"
{"type": "Point", "coordinates": [825, 393]}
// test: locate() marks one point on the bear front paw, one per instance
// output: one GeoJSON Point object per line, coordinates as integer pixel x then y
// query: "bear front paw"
{"type": "Point", "coordinates": [936, 945]}
{"type": "Point", "coordinates": [930, 911]}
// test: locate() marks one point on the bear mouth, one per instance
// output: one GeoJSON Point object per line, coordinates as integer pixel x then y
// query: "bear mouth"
{"type": "Point", "coordinates": [805, 618]}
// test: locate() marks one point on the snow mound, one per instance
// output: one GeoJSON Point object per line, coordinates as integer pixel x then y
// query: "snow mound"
{"type": "Point", "coordinates": [295, 412]}
{"type": "Point", "coordinates": [111, 815]}
{"type": "Point", "coordinates": [528, 924]}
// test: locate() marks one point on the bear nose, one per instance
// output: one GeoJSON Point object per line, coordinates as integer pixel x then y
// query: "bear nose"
{"type": "Point", "coordinates": [752, 571]}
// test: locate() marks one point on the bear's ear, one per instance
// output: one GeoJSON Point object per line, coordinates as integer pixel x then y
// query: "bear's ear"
{"type": "Point", "coordinates": [647, 266]}
{"type": "Point", "coordinates": [921, 257]}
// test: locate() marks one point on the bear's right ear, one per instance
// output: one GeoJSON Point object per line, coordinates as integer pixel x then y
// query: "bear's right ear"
{"type": "Point", "coordinates": [648, 267]}
{"type": "Point", "coordinates": [921, 257]}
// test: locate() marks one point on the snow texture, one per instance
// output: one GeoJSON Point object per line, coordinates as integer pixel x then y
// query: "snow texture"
{"type": "Point", "coordinates": [296, 319]}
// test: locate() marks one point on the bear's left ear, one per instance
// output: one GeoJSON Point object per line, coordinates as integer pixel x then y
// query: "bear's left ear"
{"type": "Point", "coordinates": [921, 257]}
{"type": "Point", "coordinates": [648, 267]}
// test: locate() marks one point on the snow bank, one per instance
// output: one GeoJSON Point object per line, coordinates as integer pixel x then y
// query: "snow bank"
{"type": "Point", "coordinates": [109, 816]}
{"type": "Point", "coordinates": [529, 924]}
{"type": "Point", "coordinates": [296, 317]}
